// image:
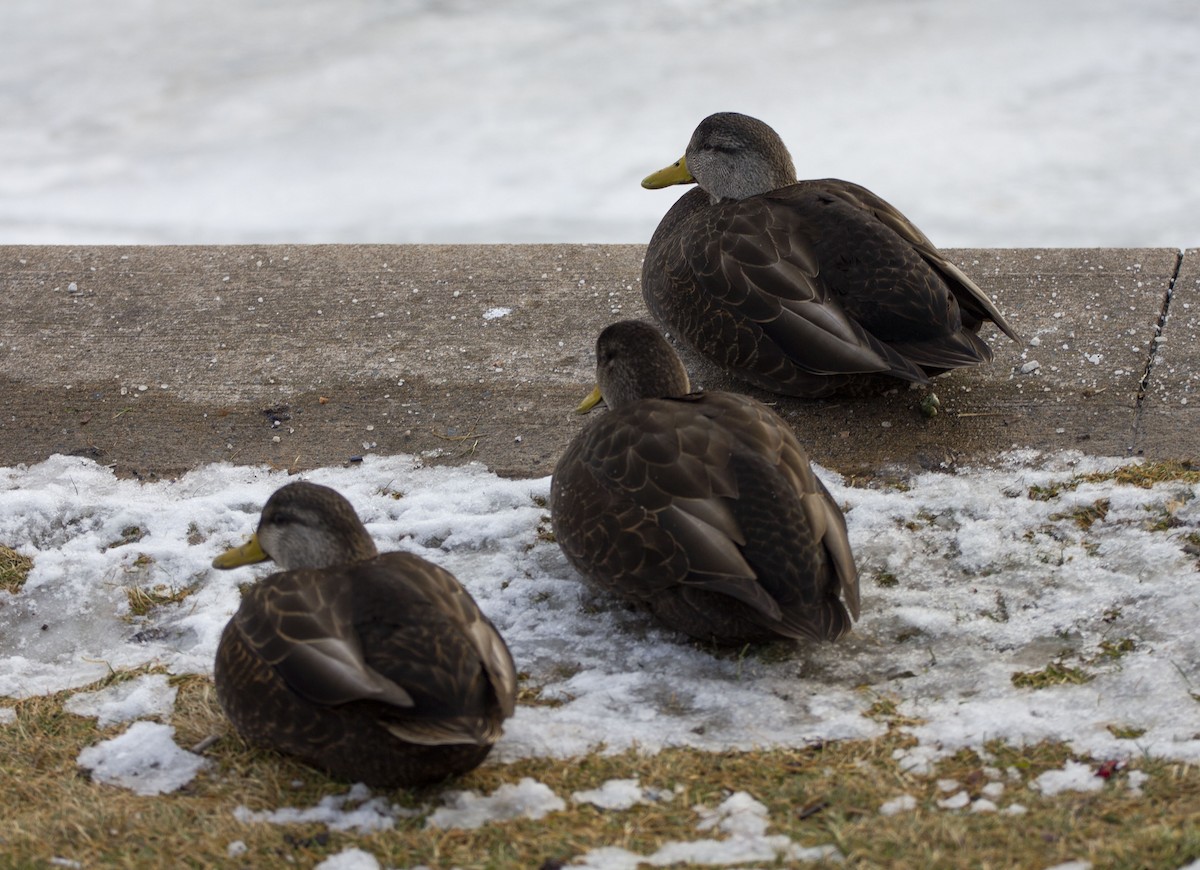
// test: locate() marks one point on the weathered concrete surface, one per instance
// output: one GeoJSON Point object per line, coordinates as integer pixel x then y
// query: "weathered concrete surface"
{"type": "Point", "coordinates": [156, 359]}
{"type": "Point", "coordinates": [1169, 424]}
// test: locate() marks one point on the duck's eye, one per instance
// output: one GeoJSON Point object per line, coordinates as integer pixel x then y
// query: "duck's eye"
{"type": "Point", "coordinates": [283, 518]}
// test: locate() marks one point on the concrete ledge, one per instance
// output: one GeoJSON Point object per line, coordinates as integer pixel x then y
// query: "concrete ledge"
{"type": "Point", "coordinates": [156, 359]}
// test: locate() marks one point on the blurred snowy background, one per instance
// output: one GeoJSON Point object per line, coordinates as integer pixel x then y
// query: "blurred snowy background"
{"type": "Point", "coordinates": [1005, 123]}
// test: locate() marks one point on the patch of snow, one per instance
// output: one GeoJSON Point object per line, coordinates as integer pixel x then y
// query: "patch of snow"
{"type": "Point", "coordinates": [350, 859]}
{"type": "Point", "coordinates": [7, 715]}
{"type": "Point", "coordinates": [494, 313]}
{"type": "Point", "coordinates": [141, 698]}
{"type": "Point", "coordinates": [144, 759]}
{"type": "Point", "coordinates": [1074, 776]}
{"type": "Point", "coordinates": [993, 790]}
{"type": "Point", "coordinates": [355, 810]}
{"type": "Point", "coordinates": [902, 804]}
{"type": "Point", "coordinates": [741, 817]}
{"type": "Point", "coordinates": [1135, 779]}
{"type": "Point", "coordinates": [956, 801]}
{"type": "Point", "coordinates": [527, 799]}
{"type": "Point", "coordinates": [616, 794]}
{"type": "Point", "coordinates": [990, 582]}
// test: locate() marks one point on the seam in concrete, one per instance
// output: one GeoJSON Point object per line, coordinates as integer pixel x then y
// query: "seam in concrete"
{"type": "Point", "coordinates": [1144, 384]}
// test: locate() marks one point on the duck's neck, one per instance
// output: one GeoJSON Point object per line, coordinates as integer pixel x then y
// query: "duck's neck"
{"type": "Point", "coordinates": [757, 174]}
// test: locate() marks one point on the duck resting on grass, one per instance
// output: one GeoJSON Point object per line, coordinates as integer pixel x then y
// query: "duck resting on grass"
{"type": "Point", "coordinates": [801, 287]}
{"type": "Point", "coordinates": [701, 507]}
{"type": "Point", "coordinates": [373, 668]}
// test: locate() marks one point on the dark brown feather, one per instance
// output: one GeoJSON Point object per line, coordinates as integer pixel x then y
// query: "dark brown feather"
{"type": "Point", "coordinates": [802, 288]}
{"type": "Point", "coordinates": [703, 508]}
{"type": "Point", "coordinates": [381, 670]}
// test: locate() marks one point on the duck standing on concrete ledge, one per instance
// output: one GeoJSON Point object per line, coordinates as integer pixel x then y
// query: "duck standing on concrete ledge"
{"type": "Point", "coordinates": [373, 668]}
{"type": "Point", "coordinates": [798, 286]}
{"type": "Point", "coordinates": [701, 507]}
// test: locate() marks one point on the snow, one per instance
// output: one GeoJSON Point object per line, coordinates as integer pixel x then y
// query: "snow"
{"type": "Point", "coordinates": [527, 799]}
{"type": "Point", "coordinates": [144, 697]}
{"type": "Point", "coordinates": [616, 794]}
{"type": "Point", "coordinates": [984, 582]}
{"type": "Point", "coordinates": [355, 810]}
{"type": "Point", "coordinates": [144, 759]}
{"type": "Point", "coordinates": [742, 818]}
{"type": "Point", "coordinates": [1074, 776]}
{"type": "Point", "coordinates": [956, 801]}
{"type": "Point", "coordinates": [988, 583]}
{"type": "Point", "coordinates": [1021, 123]}
{"type": "Point", "coordinates": [902, 804]}
{"type": "Point", "coordinates": [350, 859]}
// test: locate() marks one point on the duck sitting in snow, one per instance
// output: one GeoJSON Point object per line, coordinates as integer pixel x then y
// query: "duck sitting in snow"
{"type": "Point", "coordinates": [373, 668]}
{"type": "Point", "coordinates": [800, 286]}
{"type": "Point", "coordinates": [702, 507]}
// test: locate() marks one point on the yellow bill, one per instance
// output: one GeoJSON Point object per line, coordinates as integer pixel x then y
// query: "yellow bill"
{"type": "Point", "coordinates": [676, 173]}
{"type": "Point", "coordinates": [593, 399]}
{"type": "Point", "coordinates": [247, 554]}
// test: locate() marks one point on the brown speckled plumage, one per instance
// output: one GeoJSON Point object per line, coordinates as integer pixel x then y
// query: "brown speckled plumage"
{"type": "Point", "coordinates": [799, 286]}
{"type": "Point", "coordinates": [701, 507]}
{"type": "Point", "coordinates": [373, 668]}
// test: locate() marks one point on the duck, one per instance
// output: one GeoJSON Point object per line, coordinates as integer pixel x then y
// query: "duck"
{"type": "Point", "coordinates": [700, 507]}
{"type": "Point", "coordinates": [802, 288]}
{"type": "Point", "coordinates": [373, 668]}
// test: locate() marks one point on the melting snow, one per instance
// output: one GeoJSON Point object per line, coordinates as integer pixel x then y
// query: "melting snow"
{"type": "Point", "coordinates": [616, 794]}
{"type": "Point", "coordinates": [527, 799]}
{"type": "Point", "coordinates": [902, 804]}
{"type": "Point", "coordinates": [967, 581]}
{"type": "Point", "coordinates": [741, 817]}
{"type": "Point", "coordinates": [1074, 776]}
{"type": "Point", "coordinates": [141, 698]}
{"type": "Point", "coordinates": [144, 759]}
{"type": "Point", "coordinates": [350, 859]}
{"type": "Point", "coordinates": [355, 810]}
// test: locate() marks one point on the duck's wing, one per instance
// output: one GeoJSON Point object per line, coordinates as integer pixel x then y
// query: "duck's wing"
{"type": "Point", "coordinates": [451, 605]}
{"type": "Point", "coordinates": [301, 623]}
{"type": "Point", "coordinates": [973, 302]}
{"type": "Point", "coordinates": [643, 499]}
{"type": "Point", "coordinates": [797, 531]}
{"type": "Point", "coordinates": [758, 271]}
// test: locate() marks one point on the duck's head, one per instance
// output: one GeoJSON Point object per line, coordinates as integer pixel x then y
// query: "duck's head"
{"type": "Point", "coordinates": [304, 525]}
{"type": "Point", "coordinates": [731, 156]}
{"type": "Point", "coordinates": [634, 361]}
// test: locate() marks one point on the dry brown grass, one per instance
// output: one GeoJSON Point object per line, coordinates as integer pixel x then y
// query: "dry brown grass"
{"type": "Point", "coordinates": [823, 794]}
{"type": "Point", "coordinates": [14, 569]}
